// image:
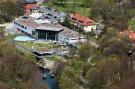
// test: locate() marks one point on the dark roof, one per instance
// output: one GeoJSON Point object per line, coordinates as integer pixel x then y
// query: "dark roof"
{"type": "Point", "coordinates": [28, 1]}
{"type": "Point", "coordinates": [31, 23]}
{"type": "Point", "coordinates": [28, 23]}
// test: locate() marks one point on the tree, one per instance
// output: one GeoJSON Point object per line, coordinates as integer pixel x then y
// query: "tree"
{"type": "Point", "coordinates": [132, 24]}
{"type": "Point", "coordinates": [111, 13]}
{"type": "Point", "coordinates": [85, 51]}
{"type": "Point", "coordinates": [17, 70]}
{"type": "Point", "coordinates": [4, 86]}
{"type": "Point", "coordinates": [7, 10]}
{"type": "Point", "coordinates": [86, 3]}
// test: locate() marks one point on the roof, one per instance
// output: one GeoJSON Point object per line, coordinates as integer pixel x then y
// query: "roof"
{"type": "Point", "coordinates": [69, 33]}
{"type": "Point", "coordinates": [35, 15]}
{"type": "Point", "coordinates": [32, 6]}
{"type": "Point", "coordinates": [129, 34]}
{"type": "Point", "coordinates": [77, 18]}
{"type": "Point", "coordinates": [28, 1]}
{"type": "Point", "coordinates": [29, 22]}
{"type": "Point", "coordinates": [49, 27]}
{"type": "Point", "coordinates": [41, 21]}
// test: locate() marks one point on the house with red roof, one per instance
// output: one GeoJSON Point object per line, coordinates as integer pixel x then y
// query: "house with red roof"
{"type": "Point", "coordinates": [129, 34]}
{"type": "Point", "coordinates": [83, 22]}
{"type": "Point", "coordinates": [26, 7]}
{"type": "Point", "coordinates": [30, 7]}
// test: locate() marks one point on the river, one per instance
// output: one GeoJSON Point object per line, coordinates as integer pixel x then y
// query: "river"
{"type": "Point", "coordinates": [49, 78]}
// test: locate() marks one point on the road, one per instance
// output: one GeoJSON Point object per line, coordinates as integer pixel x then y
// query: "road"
{"type": "Point", "coordinates": [8, 28]}
{"type": "Point", "coordinates": [94, 44]}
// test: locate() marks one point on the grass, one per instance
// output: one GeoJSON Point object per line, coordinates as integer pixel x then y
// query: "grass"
{"type": "Point", "coordinates": [11, 37]}
{"type": "Point", "coordinates": [54, 58]}
{"type": "Point", "coordinates": [1, 29]}
{"type": "Point", "coordinates": [32, 44]}
{"type": "Point", "coordinates": [70, 8]}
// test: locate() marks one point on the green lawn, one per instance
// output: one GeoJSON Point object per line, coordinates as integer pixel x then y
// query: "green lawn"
{"type": "Point", "coordinates": [54, 58]}
{"type": "Point", "coordinates": [70, 8]}
{"type": "Point", "coordinates": [33, 44]}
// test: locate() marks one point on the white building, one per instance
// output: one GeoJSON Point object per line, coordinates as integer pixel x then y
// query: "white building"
{"type": "Point", "coordinates": [70, 37]}
{"type": "Point", "coordinates": [82, 22]}
{"type": "Point", "coordinates": [53, 14]}
{"type": "Point", "coordinates": [45, 31]}
{"type": "Point", "coordinates": [31, 28]}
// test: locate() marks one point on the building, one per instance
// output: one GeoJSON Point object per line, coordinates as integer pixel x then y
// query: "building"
{"type": "Point", "coordinates": [45, 31]}
{"type": "Point", "coordinates": [26, 7]}
{"type": "Point", "coordinates": [70, 37]}
{"type": "Point", "coordinates": [52, 14]}
{"type": "Point", "coordinates": [82, 22]}
{"type": "Point", "coordinates": [131, 36]}
{"type": "Point", "coordinates": [29, 27]}
{"type": "Point", "coordinates": [128, 34]}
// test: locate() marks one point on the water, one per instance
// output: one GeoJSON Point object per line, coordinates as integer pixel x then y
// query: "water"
{"type": "Point", "coordinates": [50, 80]}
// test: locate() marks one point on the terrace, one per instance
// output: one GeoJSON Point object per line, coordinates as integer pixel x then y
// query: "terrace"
{"type": "Point", "coordinates": [34, 44]}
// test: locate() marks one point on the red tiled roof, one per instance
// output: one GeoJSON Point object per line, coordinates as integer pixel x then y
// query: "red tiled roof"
{"type": "Point", "coordinates": [30, 6]}
{"type": "Point", "coordinates": [129, 34]}
{"type": "Point", "coordinates": [77, 18]}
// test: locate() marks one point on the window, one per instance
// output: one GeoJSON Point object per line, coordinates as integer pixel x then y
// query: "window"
{"type": "Point", "coordinates": [80, 21]}
{"type": "Point", "coordinates": [67, 39]}
{"type": "Point", "coordinates": [14, 22]}
{"type": "Point", "coordinates": [49, 14]}
{"type": "Point", "coordinates": [73, 39]}
{"type": "Point", "coordinates": [89, 22]}
{"type": "Point", "coordinates": [55, 17]}
{"type": "Point", "coordinates": [33, 32]}
{"type": "Point", "coordinates": [22, 26]}
{"type": "Point", "coordinates": [74, 18]}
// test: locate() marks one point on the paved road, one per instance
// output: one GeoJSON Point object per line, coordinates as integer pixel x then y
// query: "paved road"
{"type": "Point", "coordinates": [94, 44]}
{"type": "Point", "coordinates": [8, 28]}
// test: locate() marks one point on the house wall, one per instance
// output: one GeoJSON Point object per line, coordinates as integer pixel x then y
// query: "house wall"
{"type": "Point", "coordinates": [89, 28]}
{"type": "Point", "coordinates": [28, 7]}
{"type": "Point", "coordinates": [23, 28]}
{"type": "Point", "coordinates": [84, 28]}
{"type": "Point", "coordinates": [63, 39]}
